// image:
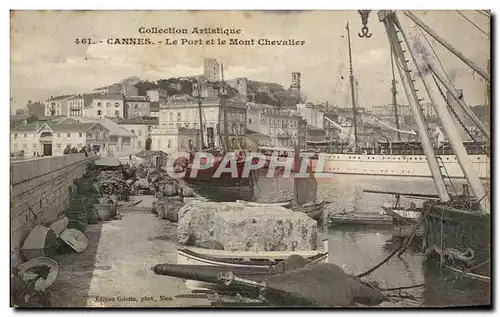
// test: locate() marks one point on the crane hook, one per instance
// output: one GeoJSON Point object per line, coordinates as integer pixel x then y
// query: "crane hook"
{"type": "Point", "coordinates": [364, 20]}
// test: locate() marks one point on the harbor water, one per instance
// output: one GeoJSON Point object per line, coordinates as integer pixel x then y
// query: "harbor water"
{"type": "Point", "coordinates": [358, 249]}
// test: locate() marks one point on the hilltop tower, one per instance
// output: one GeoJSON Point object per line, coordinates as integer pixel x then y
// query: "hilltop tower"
{"type": "Point", "coordinates": [211, 69]}
{"type": "Point", "coordinates": [295, 81]}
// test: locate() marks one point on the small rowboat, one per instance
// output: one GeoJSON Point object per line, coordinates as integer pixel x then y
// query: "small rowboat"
{"type": "Point", "coordinates": [313, 210]}
{"type": "Point", "coordinates": [286, 204]}
{"type": "Point", "coordinates": [244, 259]}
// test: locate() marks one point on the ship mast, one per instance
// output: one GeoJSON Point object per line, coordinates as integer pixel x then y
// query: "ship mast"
{"type": "Point", "coordinates": [448, 124]}
{"type": "Point", "coordinates": [224, 108]}
{"type": "Point", "coordinates": [351, 79]}
{"type": "Point", "coordinates": [390, 21]}
{"type": "Point", "coordinates": [201, 117]}
{"type": "Point", "coordinates": [394, 92]}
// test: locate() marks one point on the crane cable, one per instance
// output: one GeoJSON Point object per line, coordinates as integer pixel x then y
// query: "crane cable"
{"type": "Point", "coordinates": [477, 27]}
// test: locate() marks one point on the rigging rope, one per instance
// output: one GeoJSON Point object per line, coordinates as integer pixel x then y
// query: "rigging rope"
{"type": "Point", "coordinates": [477, 27]}
{"type": "Point", "coordinates": [456, 115]}
{"type": "Point", "coordinates": [483, 12]}
{"type": "Point", "coordinates": [453, 86]}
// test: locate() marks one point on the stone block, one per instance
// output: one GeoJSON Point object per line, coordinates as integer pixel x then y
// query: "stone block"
{"type": "Point", "coordinates": [246, 228]}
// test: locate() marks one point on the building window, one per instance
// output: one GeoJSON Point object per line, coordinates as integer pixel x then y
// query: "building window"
{"type": "Point", "coordinates": [108, 104]}
{"type": "Point", "coordinates": [97, 135]}
{"type": "Point", "coordinates": [117, 104]}
{"type": "Point", "coordinates": [99, 112]}
{"type": "Point", "coordinates": [25, 135]}
{"type": "Point", "coordinates": [68, 135]}
{"type": "Point", "coordinates": [15, 135]}
{"type": "Point", "coordinates": [117, 113]}
{"type": "Point", "coordinates": [99, 105]}
{"type": "Point", "coordinates": [170, 116]}
{"type": "Point", "coordinates": [58, 145]}
{"type": "Point", "coordinates": [178, 116]}
{"type": "Point", "coordinates": [140, 132]}
{"type": "Point", "coordinates": [169, 143]}
{"type": "Point", "coordinates": [80, 134]}
{"type": "Point", "coordinates": [249, 120]}
{"type": "Point", "coordinates": [135, 106]}
{"type": "Point", "coordinates": [171, 125]}
{"type": "Point", "coordinates": [132, 131]}
{"type": "Point", "coordinates": [59, 135]}
{"type": "Point", "coordinates": [195, 126]}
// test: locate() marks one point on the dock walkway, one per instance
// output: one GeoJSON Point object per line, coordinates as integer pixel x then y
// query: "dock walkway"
{"type": "Point", "coordinates": [115, 270]}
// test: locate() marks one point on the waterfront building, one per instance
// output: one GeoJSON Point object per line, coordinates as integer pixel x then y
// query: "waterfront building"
{"type": "Point", "coordinates": [182, 111]}
{"type": "Point", "coordinates": [51, 138]}
{"type": "Point", "coordinates": [281, 126]}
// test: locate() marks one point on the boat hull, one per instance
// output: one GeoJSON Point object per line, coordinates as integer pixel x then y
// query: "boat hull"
{"type": "Point", "coordinates": [244, 259]}
{"type": "Point", "coordinates": [257, 262]}
{"type": "Point", "coordinates": [400, 165]}
{"type": "Point", "coordinates": [314, 211]}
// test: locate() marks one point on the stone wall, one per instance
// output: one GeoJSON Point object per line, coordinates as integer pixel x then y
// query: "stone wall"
{"type": "Point", "coordinates": [40, 191]}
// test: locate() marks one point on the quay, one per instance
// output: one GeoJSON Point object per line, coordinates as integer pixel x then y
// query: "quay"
{"type": "Point", "coordinates": [115, 270]}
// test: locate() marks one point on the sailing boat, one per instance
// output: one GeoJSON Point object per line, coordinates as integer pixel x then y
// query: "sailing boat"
{"type": "Point", "coordinates": [207, 175]}
{"type": "Point", "coordinates": [305, 191]}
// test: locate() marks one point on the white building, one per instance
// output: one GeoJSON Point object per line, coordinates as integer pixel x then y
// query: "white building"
{"type": "Point", "coordinates": [182, 111]}
{"type": "Point", "coordinates": [57, 106]}
{"type": "Point", "coordinates": [280, 126]}
{"type": "Point", "coordinates": [77, 104]}
{"type": "Point", "coordinates": [137, 106]}
{"type": "Point", "coordinates": [174, 140]}
{"type": "Point", "coordinates": [141, 128]}
{"type": "Point", "coordinates": [155, 95]}
{"type": "Point", "coordinates": [312, 114]}
{"type": "Point", "coordinates": [120, 140]}
{"type": "Point", "coordinates": [111, 106]}
{"type": "Point", "coordinates": [51, 138]}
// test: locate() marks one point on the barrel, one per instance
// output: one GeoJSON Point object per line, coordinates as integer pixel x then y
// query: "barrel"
{"type": "Point", "coordinates": [77, 215]}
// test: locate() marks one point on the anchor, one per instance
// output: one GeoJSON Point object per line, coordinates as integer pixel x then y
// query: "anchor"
{"type": "Point", "coordinates": [364, 20]}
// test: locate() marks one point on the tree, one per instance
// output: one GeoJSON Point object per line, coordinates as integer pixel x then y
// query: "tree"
{"type": "Point", "coordinates": [74, 150]}
{"type": "Point", "coordinates": [148, 144]}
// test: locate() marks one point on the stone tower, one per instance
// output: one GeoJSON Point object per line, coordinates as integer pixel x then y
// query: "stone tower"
{"type": "Point", "coordinates": [211, 69]}
{"type": "Point", "coordinates": [295, 81]}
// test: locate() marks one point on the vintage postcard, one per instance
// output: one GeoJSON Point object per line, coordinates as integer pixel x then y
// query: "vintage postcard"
{"type": "Point", "coordinates": [250, 158]}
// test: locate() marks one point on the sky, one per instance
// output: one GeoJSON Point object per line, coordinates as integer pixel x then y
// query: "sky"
{"type": "Point", "coordinates": [45, 61]}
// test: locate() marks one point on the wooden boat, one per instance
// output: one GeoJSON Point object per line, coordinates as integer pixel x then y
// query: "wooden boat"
{"type": "Point", "coordinates": [314, 210]}
{"type": "Point", "coordinates": [240, 260]}
{"type": "Point", "coordinates": [285, 204]}
{"type": "Point", "coordinates": [402, 215]}
{"type": "Point", "coordinates": [249, 259]}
